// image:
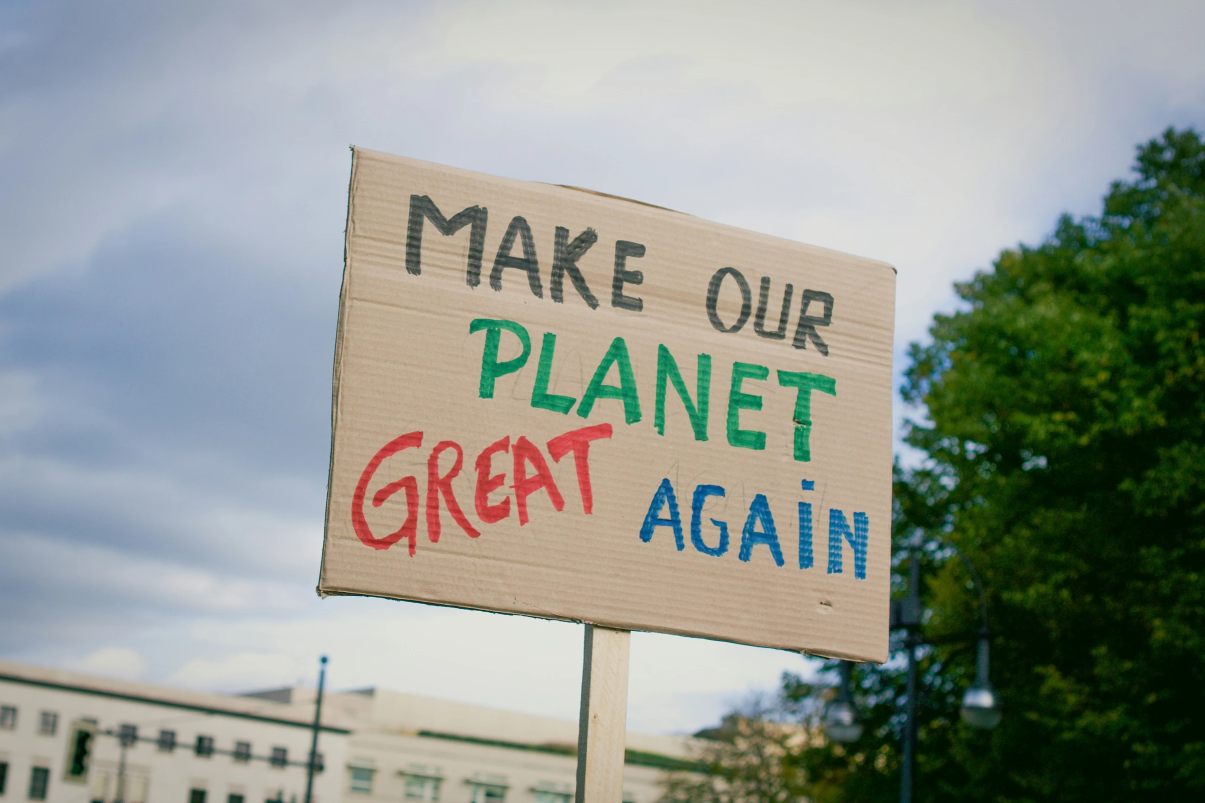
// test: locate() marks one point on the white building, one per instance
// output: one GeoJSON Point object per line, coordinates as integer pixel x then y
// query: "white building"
{"type": "Point", "coordinates": [377, 747]}
{"type": "Point", "coordinates": [404, 747]}
{"type": "Point", "coordinates": [181, 747]}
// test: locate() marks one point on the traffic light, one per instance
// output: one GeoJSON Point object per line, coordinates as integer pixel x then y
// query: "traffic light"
{"type": "Point", "coordinates": [79, 751]}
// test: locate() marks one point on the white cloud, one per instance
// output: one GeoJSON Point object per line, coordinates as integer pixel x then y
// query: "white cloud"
{"type": "Point", "coordinates": [877, 55]}
{"type": "Point", "coordinates": [118, 662]}
{"type": "Point", "coordinates": [245, 671]}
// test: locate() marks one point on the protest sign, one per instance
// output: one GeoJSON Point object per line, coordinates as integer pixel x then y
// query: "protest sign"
{"type": "Point", "coordinates": [558, 403]}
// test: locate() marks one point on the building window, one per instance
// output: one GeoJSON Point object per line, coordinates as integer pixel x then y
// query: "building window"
{"type": "Point", "coordinates": [127, 735]}
{"type": "Point", "coordinates": [424, 788]}
{"type": "Point", "coordinates": [361, 780]}
{"type": "Point", "coordinates": [547, 792]}
{"type": "Point", "coordinates": [3, 776]}
{"type": "Point", "coordinates": [319, 762]}
{"type": "Point", "coordinates": [233, 798]}
{"type": "Point", "coordinates": [280, 757]}
{"type": "Point", "coordinates": [552, 797]}
{"type": "Point", "coordinates": [488, 788]}
{"type": "Point", "coordinates": [167, 741]}
{"type": "Point", "coordinates": [135, 789]}
{"type": "Point", "coordinates": [8, 717]}
{"type": "Point", "coordinates": [48, 723]}
{"type": "Point", "coordinates": [99, 786]}
{"type": "Point", "coordinates": [39, 779]}
{"type": "Point", "coordinates": [488, 794]}
{"type": "Point", "coordinates": [196, 796]}
{"type": "Point", "coordinates": [204, 749]}
{"type": "Point", "coordinates": [242, 752]}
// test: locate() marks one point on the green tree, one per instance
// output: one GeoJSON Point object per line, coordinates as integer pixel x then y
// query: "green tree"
{"type": "Point", "coordinates": [752, 757]}
{"type": "Point", "coordinates": [1063, 436]}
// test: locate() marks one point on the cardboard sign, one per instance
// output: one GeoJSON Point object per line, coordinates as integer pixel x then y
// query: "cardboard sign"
{"type": "Point", "coordinates": [558, 403]}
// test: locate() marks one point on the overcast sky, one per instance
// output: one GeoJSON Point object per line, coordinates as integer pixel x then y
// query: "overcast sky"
{"type": "Point", "coordinates": [173, 186]}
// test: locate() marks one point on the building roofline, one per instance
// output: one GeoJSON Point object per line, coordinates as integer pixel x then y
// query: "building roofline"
{"type": "Point", "coordinates": [639, 758]}
{"type": "Point", "coordinates": [196, 705]}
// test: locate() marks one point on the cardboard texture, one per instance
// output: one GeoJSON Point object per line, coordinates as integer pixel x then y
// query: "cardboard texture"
{"type": "Point", "coordinates": [518, 424]}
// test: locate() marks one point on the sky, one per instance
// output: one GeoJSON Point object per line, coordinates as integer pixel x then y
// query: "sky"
{"type": "Point", "coordinates": [173, 188]}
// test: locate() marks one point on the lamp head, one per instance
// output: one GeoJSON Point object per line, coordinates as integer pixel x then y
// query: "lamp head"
{"type": "Point", "coordinates": [980, 706]}
{"type": "Point", "coordinates": [841, 723]}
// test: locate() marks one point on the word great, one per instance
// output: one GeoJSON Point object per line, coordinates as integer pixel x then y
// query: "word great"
{"type": "Point", "coordinates": [525, 454]}
{"type": "Point", "coordinates": [759, 528]}
{"type": "Point", "coordinates": [697, 407]}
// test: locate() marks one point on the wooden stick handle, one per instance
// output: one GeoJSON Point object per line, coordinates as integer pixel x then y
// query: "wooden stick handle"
{"type": "Point", "coordinates": [602, 727]}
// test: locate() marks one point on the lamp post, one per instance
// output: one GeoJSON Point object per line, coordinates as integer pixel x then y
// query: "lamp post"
{"type": "Point", "coordinates": [980, 705]}
{"type": "Point", "coordinates": [312, 765]}
{"type": "Point", "coordinates": [841, 720]}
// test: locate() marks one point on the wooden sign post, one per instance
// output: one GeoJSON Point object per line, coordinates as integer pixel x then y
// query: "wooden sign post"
{"type": "Point", "coordinates": [602, 726]}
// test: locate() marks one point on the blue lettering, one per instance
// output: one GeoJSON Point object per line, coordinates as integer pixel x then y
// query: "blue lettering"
{"type": "Point", "coordinates": [760, 511]}
{"type": "Point", "coordinates": [696, 529]}
{"type": "Point", "coordinates": [664, 496]}
{"type": "Point", "coordinates": [805, 535]}
{"type": "Point", "coordinates": [838, 529]}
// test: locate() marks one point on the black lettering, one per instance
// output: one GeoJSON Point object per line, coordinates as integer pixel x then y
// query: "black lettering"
{"type": "Point", "coordinates": [759, 322]}
{"type": "Point", "coordinates": [564, 260]}
{"type": "Point", "coordinates": [806, 330]}
{"type": "Point", "coordinates": [421, 206]}
{"type": "Point", "coordinates": [713, 297]}
{"type": "Point", "coordinates": [623, 250]}
{"type": "Point", "coordinates": [527, 262]}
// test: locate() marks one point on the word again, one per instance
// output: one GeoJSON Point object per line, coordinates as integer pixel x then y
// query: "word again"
{"type": "Point", "coordinates": [530, 472]}
{"type": "Point", "coordinates": [759, 528]}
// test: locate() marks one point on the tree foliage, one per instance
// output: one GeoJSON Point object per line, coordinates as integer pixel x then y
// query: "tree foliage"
{"type": "Point", "coordinates": [1064, 453]}
{"type": "Point", "coordinates": [752, 757]}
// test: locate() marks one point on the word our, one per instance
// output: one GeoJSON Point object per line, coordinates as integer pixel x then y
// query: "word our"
{"type": "Point", "coordinates": [805, 328]}
{"type": "Point", "coordinates": [668, 375]}
{"type": "Point", "coordinates": [759, 528]}
{"type": "Point", "coordinates": [531, 474]}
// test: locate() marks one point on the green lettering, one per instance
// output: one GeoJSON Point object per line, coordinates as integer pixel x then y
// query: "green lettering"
{"type": "Point", "coordinates": [617, 354]}
{"type": "Point", "coordinates": [804, 384]}
{"type": "Point", "coordinates": [667, 371]}
{"type": "Point", "coordinates": [491, 369]}
{"type": "Point", "coordinates": [540, 397]}
{"type": "Point", "coordinates": [737, 401]}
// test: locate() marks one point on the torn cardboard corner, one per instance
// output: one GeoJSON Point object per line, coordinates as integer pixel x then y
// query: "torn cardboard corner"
{"type": "Point", "coordinates": [562, 404]}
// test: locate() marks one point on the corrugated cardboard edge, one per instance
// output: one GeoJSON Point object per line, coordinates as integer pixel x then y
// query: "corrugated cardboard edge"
{"type": "Point", "coordinates": [337, 367]}
{"type": "Point", "coordinates": [743, 232]}
{"type": "Point", "coordinates": [816, 653]}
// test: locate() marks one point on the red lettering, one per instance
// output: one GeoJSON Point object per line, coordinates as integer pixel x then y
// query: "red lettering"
{"type": "Point", "coordinates": [527, 452]}
{"type": "Point", "coordinates": [437, 484]}
{"type": "Point", "coordinates": [578, 442]}
{"type": "Point", "coordinates": [485, 484]}
{"type": "Point", "coordinates": [409, 528]}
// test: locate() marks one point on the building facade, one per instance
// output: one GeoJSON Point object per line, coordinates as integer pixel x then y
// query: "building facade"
{"type": "Point", "coordinates": [149, 744]}
{"type": "Point", "coordinates": [406, 748]}
{"type": "Point", "coordinates": [72, 738]}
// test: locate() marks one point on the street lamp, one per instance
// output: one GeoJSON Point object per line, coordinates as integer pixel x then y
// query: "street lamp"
{"type": "Point", "coordinates": [980, 705]}
{"type": "Point", "coordinates": [841, 720]}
